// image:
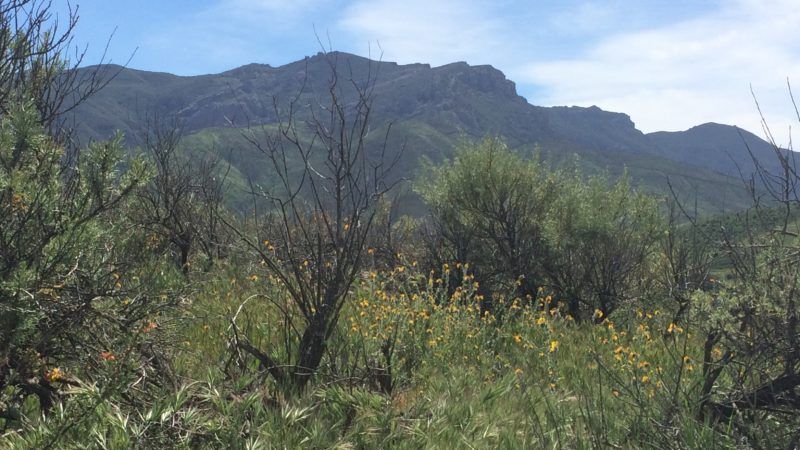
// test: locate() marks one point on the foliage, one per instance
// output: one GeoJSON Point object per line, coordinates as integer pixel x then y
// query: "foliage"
{"type": "Point", "coordinates": [35, 67]}
{"type": "Point", "coordinates": [182, 204]}
{"type": "Point", "coordinates": [752, 349]}
{"type": "Point", "coordinates": [488, 208]}
{"type": "Point", "coordinates": [521, 226]}
{"type": "Point", "coordinates": [601, 240]}
{"type": "Point", "coordinates": [458, 379]}
{"type": "Point", "coordinates": [73, 291]}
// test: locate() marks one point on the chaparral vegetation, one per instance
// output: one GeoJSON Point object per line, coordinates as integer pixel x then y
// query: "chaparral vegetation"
{"type": "Point", "coordinates": [532, 305]}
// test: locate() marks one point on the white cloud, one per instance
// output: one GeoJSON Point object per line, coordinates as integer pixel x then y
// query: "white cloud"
{"type": "Point", "coordinates": [683, 74]}
{"type": "Point", "coordinates": [429, 31]}
{"type": "Point", "coordinates": [672, 76]}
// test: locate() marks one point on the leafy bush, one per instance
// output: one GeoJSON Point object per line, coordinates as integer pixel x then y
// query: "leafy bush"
{"type": "Point", "coordinates": [488, 208]}
{"type": "Point", "coordinates": [601, 237]}
{"type": "Point", "coordinates": [522, 225]}
{"type": "Point", "coordinates": [72, 290]}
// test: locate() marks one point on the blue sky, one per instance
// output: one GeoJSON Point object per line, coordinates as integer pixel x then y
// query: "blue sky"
{"type": "Point", "coordinates": [668, 64]}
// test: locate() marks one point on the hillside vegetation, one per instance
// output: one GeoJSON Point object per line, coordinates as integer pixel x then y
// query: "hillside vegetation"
{"type": "Point", "coordinates": [528, 305]}
{"type": "Point", "coordinates": [431, 110]}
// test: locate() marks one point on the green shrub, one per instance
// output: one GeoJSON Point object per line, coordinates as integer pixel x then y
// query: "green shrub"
{"type": "Point", "coordinates": [75, 292]}
{"type": "Point", "coordinates": [522, 225]}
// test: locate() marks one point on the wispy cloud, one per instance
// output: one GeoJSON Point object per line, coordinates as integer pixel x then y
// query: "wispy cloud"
{"type": "Point", "coordinates": [431, 31]}
{"type": "Point", "coordinates": [270, 5]}
{"type": "Point", "coordinates": [588, 17]}
{"type": "Point", "coordinates": [682, 74]}
{"type": "Point", "coordinates": [271, 14]}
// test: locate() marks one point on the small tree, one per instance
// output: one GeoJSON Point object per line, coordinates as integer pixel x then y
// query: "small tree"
{"type": "Point", "coordinates": [600, 239]}
{"type": "Point", "coordinates": [329, 182]}
{"type": "Point", "coordinates": [182, 203]}
{"type": "Point", "coordinates": [687, 254]}
{"type": "Point", "coordinates": [35, 66]}
{"type": "Point", "coordinates": [522, 226]}
{"type": "Point", "coordinates": [68, 265]}
{"type": "Point", "coordinates": [488, 208]}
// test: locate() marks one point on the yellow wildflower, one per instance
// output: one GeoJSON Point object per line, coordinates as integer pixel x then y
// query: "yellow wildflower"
{"type": "Point", "coordinates": [54, 374]}
{"type": "Point", "coordinates": [672, 328]}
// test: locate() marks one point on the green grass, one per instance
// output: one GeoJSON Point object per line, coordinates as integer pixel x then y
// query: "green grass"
{"type": "Point", "coordinates": [535, 380]}
{"type": "Point", "coordinates": [529, 379]}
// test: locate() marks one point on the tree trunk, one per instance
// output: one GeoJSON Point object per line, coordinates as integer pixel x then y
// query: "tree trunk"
{"type": "Point", "coordinates": [184, 259]}
{"type": "Point", "coordinates": [312, 348]}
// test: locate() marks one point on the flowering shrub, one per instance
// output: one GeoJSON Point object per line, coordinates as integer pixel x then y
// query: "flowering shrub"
{"type": "Point", "coordinates": [72, 285]}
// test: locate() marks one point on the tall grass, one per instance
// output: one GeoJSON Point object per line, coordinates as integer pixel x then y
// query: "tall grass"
{"type": "Point", "coordinates": [527, 378]}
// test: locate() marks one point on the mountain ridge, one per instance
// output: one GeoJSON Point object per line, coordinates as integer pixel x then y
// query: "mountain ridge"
{"type": "Point", "coordinates": [436, 106]}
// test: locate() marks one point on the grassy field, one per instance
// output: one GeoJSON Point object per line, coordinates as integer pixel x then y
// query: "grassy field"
{"type": "Point", "coordinates": [529, 378]}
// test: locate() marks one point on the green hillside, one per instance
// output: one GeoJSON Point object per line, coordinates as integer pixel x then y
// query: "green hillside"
{"type": "Point", "coordinates": [715, 192]}
{"type": "Point", "coordinates": [430, 110]}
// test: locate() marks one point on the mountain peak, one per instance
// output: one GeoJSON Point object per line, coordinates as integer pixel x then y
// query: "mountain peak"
{"type": "Point", "coordinates": [249, 69]}
{"type": "Point", "coordinates": [711, 126]}
{"type": "Point", "coordinates": [717, 131]}
{"type": "Point", "coordinates": [337, 56]}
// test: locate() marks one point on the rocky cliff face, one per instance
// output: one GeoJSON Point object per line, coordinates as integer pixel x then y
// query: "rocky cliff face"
{"type": "Point", "coordinates": [432, 108]}
{"type": "Point", "coordinates": [245, 95]}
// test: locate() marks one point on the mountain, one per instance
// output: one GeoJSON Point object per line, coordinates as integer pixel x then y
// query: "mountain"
{"type": "Point", "coordinates": [431, 109]}
{"type": "Point", "coordinates": [721, 148]}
